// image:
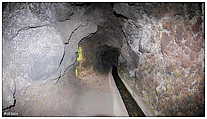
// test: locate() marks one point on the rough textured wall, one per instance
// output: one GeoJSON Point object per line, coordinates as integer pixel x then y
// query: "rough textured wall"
{"type": "Point", "coordinates": [162, 56]}
{"type": "Point", "coordinates": [40, 41]}
{"type": "Point", "coordinates": [162, 60]}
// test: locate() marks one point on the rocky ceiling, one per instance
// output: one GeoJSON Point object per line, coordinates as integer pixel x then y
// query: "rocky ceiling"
{"type": "Point", "coordinates": [157, 47]}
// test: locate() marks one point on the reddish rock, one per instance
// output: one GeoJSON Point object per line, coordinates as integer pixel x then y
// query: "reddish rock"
{"type": "Point", "coordinates": [200, 38]}
{"type": "Point", "coordinates": [167, 25]}
{"type": "Point", "coordinates": [196, 46]}
{"type": "Point", "coordinates": [193, 55]}
{"type": "Point", "coordinates": [196, 27]}
{"type": "Point", "coordinates": [165, 39]}
{"type": "Point", "coordinates": [179, 34]}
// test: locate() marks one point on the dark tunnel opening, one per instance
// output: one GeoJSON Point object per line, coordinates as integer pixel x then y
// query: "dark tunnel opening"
{"type": "Point", "coordinates": [106, 58]}
{"type": "Point", "coordinates": [103, 59]}
{"type": "Point", "coordinates": [106, 61]}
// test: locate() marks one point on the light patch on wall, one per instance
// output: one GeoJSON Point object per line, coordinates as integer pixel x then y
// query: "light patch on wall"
{"type": "Point", "coordinates": [80, 54]}
{"type": "Point", "coordinates": [79, 60]}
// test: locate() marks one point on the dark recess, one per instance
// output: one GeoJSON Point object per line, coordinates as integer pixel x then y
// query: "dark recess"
{"type": "Point", "coordinates": [106, 57]}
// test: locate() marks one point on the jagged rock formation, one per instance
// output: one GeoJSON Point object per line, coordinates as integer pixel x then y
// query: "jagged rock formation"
{"type": "Point", "coordinates": [163, 59]}
{"type": "Point", "coordinates": [158, 48]}
{"type": "Point", "coordinates": [40, 41]}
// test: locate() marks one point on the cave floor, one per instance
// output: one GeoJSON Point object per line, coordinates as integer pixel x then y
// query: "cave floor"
{"type": "Point", "coordinates": [97, 95]}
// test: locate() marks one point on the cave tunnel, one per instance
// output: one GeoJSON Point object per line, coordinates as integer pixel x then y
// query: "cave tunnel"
{"type": "Point", "coordinates": [106, 58]}
{"type": "Point", "coordinates": [103, 59]}
{"type": "Point", "coordinates": [100, 57]}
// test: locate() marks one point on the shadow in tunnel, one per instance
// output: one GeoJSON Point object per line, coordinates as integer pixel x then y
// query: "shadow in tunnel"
{"type": "Point", "coordinates": [131, 105]}
{"type": "Point", "coordinates": [106, 57]}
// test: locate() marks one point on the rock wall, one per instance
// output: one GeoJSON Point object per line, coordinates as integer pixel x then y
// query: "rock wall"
{"type": "Point", "coordinates": [161, 45]}
{"type": "Point", "coordinates": [162, 60]}
{"type": "Point", "coordinates": [40, 41]}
